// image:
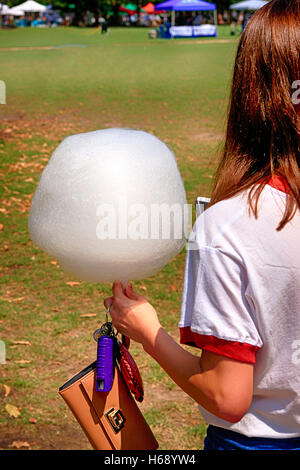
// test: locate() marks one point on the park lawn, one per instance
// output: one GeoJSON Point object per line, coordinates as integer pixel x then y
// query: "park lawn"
{"type": "Point", "coordinates": [177, 90]}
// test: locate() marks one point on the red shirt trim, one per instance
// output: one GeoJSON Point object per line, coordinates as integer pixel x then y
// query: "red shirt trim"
{"type": "Point", "coordinates": [280, 183]}
{"type": "Point", "coordinates": [242, 352]}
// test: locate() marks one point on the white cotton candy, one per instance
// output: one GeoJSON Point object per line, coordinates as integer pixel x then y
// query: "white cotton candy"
{"type": "Point", "coordinates": [96, 199]}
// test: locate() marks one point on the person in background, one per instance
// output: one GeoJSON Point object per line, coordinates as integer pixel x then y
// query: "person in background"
{"type": "Point", "coordinates": [246, 19]}
{"type": "Point", "coordinates": [241, 289]}
{"type": "Point", "coordinates": [240, 19]}
{"type": "Point", "coordinates": [220, 19]}
{"type": "Point", "coordinates": [103, 24]}
{"type": "Point", "coordinates": [233, 26]}
{"type": "Point", "coordinates": [198, 20]}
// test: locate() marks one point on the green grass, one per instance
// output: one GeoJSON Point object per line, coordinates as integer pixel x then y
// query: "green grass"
{"type": "Point", "coordinates": [176, 89]}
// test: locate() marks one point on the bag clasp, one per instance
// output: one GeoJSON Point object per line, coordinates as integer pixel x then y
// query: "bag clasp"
{"type": "Point", "coordinates": [116, 419]}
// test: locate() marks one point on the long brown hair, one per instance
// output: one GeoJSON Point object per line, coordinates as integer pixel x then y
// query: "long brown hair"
{"type": "Point", "coordinates": [263, 127]}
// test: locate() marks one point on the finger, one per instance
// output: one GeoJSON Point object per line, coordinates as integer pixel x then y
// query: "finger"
{"type": "Point", "coordinates": [117, 289]}
{"type": "Point", "coordinates": [108, 302]}
{"type": "Point", "coordinates": [130, 293]}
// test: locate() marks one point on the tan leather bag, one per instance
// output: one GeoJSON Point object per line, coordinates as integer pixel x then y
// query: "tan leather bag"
{"type": "Point", "coordinates": [111, 421]}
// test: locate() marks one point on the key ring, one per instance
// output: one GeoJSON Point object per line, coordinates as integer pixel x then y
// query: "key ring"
{"type": "Point", "coordinates": [106, 328]}
{"type": "Point", "coordinates": [107, 312]}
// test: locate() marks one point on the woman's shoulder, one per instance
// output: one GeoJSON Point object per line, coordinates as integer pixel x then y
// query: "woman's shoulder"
{"type": "Point", "coordinates": [218, 220]}
{"type": "Point", "coordinates": [231, 220]}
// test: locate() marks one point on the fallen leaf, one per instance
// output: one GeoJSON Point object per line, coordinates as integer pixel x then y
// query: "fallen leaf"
{"type": "Point", "coordinates": [12, 410]}
{"type": "Point", "coordinates": [87, 315]}
{"type": "Point", "coordinates": [1, 227]}
{"type": "Point", "coordinates": [18, 299]}
{"type": "Point", "coordinates": [7, 390]}
{"type": "Point", "coordinates": [22, 361]}
{"type": "Point", "coordinates": [15, 199]}
{"type": "Point", "coordinates": [19, 444]}
{"type": "Point", "coordinates": [22, 342]}
{"type": "Point", "coordinates": [73, 283]}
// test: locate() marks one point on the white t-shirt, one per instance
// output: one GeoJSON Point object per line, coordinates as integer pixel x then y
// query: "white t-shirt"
{"type": "Point", "coordinates": [241, 299]}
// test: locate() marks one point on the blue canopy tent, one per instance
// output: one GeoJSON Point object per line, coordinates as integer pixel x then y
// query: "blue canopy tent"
{"type": "Point", "coordinates": [248, 5]}
{"type": "Point", "coordinates": [188, 5]}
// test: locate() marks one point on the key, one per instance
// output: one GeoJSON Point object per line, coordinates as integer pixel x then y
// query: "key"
{"type": "Point", "coordinates": [105, 330]}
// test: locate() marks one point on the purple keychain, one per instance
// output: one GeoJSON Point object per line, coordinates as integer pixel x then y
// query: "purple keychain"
{"type": "Point", "coordinates": [104, 364]}
{"type": "Point", "coordinates": [105, 357]}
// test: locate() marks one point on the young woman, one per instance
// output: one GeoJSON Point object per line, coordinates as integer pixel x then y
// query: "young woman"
{"type": "Point", "coordinates": [241, 293]}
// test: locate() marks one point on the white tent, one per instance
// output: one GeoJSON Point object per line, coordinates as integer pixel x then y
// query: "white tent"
{"type": "Point", "coordinates": [248, 5]}
{"type": "Point", "coordinates": [3, 9]}
{"type": "Point", "coordinates": [31, 6]}
{"type": "Point", "coordinates": [15, 11]}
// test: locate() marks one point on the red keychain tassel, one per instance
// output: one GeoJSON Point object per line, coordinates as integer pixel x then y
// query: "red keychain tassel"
{"type": "Point", "coordinates": [130, 371]}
